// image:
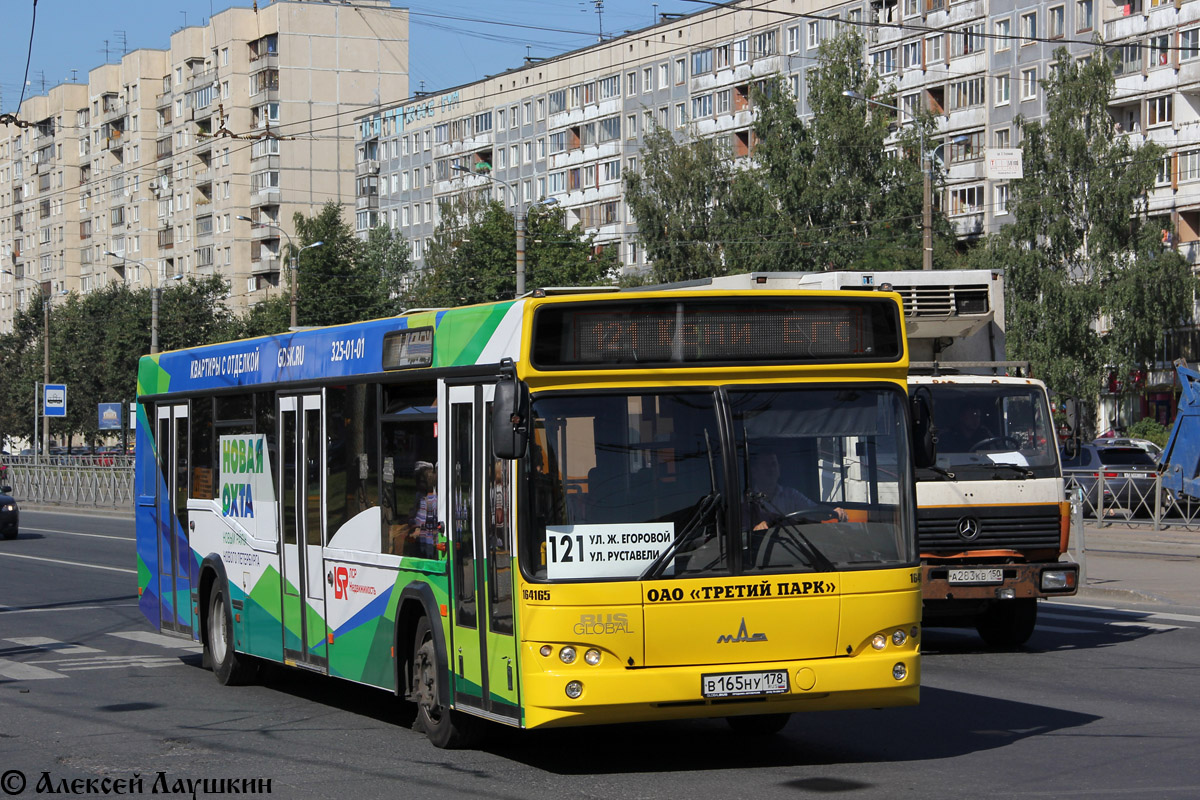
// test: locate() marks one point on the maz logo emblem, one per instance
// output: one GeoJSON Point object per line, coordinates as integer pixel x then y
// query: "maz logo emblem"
{"type": "Point", "coordinates": [742, 635]}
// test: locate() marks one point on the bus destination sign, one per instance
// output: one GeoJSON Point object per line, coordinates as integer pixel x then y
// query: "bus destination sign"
{"type": "Point", "coordinates": [696, 330]}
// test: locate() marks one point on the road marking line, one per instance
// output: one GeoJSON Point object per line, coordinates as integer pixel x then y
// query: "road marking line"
{"type": "Point", "coordinates": [22, 610]}
{"type": "Point", "coordinates": [42, 643]}
{"type": "Point", "coordinates": [144, 661]}
{"type": "Point", "coordinates": [71, 563]}
{"type": "Point", "coordinates": [15, 670]}
{"type": "Point", "coordinates": [146, 637]}
{"type": "Point", "coordinates": [77, 533]}
{"type": "Point", "coordinates": [1146, 625]}
{"type": "Point", "coordinates": [1121, 612]}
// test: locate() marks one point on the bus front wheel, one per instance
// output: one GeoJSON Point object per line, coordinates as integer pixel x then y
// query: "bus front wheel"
{"type": "Point", "coordinates": [218, 645]}
{"type": "Point", "coordinates": [445, 727]}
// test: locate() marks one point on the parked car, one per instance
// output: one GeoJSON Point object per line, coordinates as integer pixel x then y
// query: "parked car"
{"type": "Point", "coordinates": [1142, 444]}
{"type": "Point", "coordinates": [9, 515]}
{"type": "Point", "coordinates": [1129, 476]}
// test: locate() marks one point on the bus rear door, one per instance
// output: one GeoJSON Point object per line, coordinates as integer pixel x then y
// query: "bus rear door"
{"type": "Point", "coordinates": [483, 648]}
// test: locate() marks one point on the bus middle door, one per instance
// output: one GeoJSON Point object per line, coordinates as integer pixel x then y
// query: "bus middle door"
{"type": "Point", "coordinates": [302, 501]}
{"type": "Point", "coordinates": [479, 527]}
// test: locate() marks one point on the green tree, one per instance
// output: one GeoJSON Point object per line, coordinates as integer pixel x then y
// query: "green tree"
{"type": "Point", "coordinates": [473, 255]}
{"type": "Point", "coordinates": [1089, 285]}
{"type": "Point", "coordinates": [816, 194]}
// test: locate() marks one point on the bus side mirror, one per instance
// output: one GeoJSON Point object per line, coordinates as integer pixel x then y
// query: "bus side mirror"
{"type": "Point", "coordinates": [510, 418]}
{"type": "Point", "coordinates": [924, 446]}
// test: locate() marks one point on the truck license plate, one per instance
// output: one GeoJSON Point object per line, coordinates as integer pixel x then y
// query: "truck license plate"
{"type": "Point", "coordinates": [976, 576]}
{"type": "Point", "coordinates": [737, 684]}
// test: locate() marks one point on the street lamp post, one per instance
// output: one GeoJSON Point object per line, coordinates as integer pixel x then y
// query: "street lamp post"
{"type": "Point", "coordinates": [927, 178]}
{"type": "Point", "coordinates": [45, 364]}
{"type": "Point", "coordinates": [155, 295]}
{"type": "Point", "coordinates": [519, 215]}
{"type": "Point", "coordinates": [294, 261]}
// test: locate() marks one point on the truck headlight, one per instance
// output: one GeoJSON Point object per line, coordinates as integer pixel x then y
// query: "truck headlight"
{"type": "Point", "coordinates": [1056, 580]}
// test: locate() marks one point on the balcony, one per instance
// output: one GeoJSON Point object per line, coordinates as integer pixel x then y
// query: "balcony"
{"type": "Point", "coordinates": [370, 201]}
{"type": "Point", "coordinates": [258, 233]}
{"type": "Point", "coordinates": [166, 238]}
{"type": "Point", "coordinates": [264, 266]}
{"type": "Point", "coordinates": [265, 197]}
{"type": "Point", "coordinates": [163, 100]}
{"type": "Point", "coordinates": [203, 176]}
{"type": "Point", "coordinates": [368, 167]}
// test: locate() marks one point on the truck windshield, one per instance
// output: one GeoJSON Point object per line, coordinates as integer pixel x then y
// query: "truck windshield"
{"type": "Point", "coordinates": [660, 485]}
{"type": "Point", "coordinates": [993, 431]}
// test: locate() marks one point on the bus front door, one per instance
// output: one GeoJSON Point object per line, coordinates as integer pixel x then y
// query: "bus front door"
{"type": "Point", "coordinates": [302, 498]}
{"type": "Point", "coordinates": [479, 528]}
{"type": "Point", "coordinates": [174, 549]}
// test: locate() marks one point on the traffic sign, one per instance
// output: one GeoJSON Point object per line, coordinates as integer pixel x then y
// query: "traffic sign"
{"type": "Point", "coordinates": [110, 416]}
{"type": "Point", "coordinates": [54, 400]}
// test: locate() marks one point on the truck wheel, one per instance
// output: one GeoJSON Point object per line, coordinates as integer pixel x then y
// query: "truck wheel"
{"type": "Point", "coordinates": [1008, 623]}
{"type": "Point", "coordinates": [758, 724]}
{"type": "Point", "coordinates": [230, 669]}
{"type": "Point", "coordinates": [443, 726]}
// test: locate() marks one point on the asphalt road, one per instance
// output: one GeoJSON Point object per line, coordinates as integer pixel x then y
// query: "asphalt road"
{"type": "Point", "coordinates": [1102, 703]}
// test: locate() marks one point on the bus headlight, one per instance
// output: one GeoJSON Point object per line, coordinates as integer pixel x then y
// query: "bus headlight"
{"type": "Point", "coordinates": [567, 655]}
{"type": "Point", "coordinates": [574, 689]}
{"type": "Point", "coordinates": [546, 650]}
{"type": "Point", "coordinates": [879, 641]}
{"type": "Point", "coordinates": [899, 637]}
{"type": "Point", "coordinates": [899, 672]}
{"type": "Point", "coordinates": [592, 656]}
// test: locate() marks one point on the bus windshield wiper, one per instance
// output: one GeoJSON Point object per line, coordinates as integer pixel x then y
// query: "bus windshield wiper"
{"type": "Point", "coordinates": [1025, 472]}
{"type": "Point", "coordinates": [807, 550]}
{"type": "Point", "coordinates": [706, 505]}
{"type": "Point", "coordinates": [945, 473]}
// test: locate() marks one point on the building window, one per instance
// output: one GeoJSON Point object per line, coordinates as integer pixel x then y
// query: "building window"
{"type": "Point", "coordinates": [702, 62]}
{"type": "Point", "coordinates": [814, 34]}
{"type": "Point", "coordinates": [1028, 28]}
{"type": "Point", "coordinates": [1001, 202]}
{"type": "Point", "coordinates": [631, 84]}
{"type": "Point", "coordinates": [680, 115]}
{"type": "Point", "coordinates": [702, 106]}
{"type": "Point", "coordinates": [680, 70]}
{"type": "Point", "coordinates": [884, 61]}
{"type": "Point", "coordinates": [1057, 21]}
{"type": "Point", "coordinates": [1189, 166]}
{"type": "Point", "coordinates": [971, 149]}
{"type": "Point", "coordinates": [1002, 90]}
{"type": "Point", "coordinates": [1189, 44]}
{"type": "Point", "coordinates": [721, 56]}
{"type": "Point", "coordinates": [610, 87]}
{"type": "Point", "coordinates": [648, 79]}
{"type": "Point", "coordinates": [968, 41]}
{"type": "Point", "coordinates": [1083, 15]}
{"type": "Point", "coordinates": [933, 49]}
{"type": "Point", "coordinates": [1158, 110]}
{"type": "Point", "coordinates": [741, 51]}
{"type": "Point", "coordinates": [793, 39]}
{"type": "Point", "coordinates": [966, 94]}
{"type": "Point", "coordinates": [1160, 50]}
{"type": "Point", "coordinates": [1029, 84]}
{"type": "Point", "coordinates": [764, 44]}
{"type": "Point", "coordinates": [911, 54]}
{"type": "Point", "coordinates": [664, 76]}
{"type": "Point", "coordinates": [966, 200]}
{"type": "Point", "coordinates": [1002, 137]}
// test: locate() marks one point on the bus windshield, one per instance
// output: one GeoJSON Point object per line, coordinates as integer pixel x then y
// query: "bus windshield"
{"type": "Point", "coordinates": [992, 431]}
{"type": "Point", "coordinates": [651, 485]}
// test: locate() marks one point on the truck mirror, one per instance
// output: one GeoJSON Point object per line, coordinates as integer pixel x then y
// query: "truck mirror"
{"type": "Point", "coordinates": [1070, 448]}
{"type": "Point", "coordinates": [924, 446]}
{"type": "Point", "coordinates": [510, 418]}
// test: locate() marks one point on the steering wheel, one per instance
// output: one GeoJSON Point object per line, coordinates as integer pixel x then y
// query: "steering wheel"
{"type": "Point", "coordinates": [997, 443]}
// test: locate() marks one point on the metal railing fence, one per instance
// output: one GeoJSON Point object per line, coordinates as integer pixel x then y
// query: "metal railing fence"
{"type": "Point", "coordinates": [92, 481]}
{"type": "Point", "coordinates": [1118, 495]}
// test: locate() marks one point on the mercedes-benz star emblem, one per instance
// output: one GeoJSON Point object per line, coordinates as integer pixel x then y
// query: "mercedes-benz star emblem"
{"type": "Point", "coordinates": [968, 528]}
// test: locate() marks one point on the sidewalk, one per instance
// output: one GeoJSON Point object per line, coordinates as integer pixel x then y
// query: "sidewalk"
{"type": "Point", "coordinates": [1128, 563]}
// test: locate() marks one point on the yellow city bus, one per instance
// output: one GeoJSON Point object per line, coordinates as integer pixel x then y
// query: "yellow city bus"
{"type": "Point", "coordinates": [567, 509]}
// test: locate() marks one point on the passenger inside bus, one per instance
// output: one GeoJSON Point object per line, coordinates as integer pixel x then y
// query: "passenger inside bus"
{"type": "Point", "coordinates": [421, 531]}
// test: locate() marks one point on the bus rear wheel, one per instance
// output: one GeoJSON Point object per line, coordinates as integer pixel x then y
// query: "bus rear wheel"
{"type": "Point", "coordinates": [218, 644]}
{"type": "Point", "coordinates": [1008, 623]}
{"type": "Point", "coordinates": [758, 724]}
{"type": "Point", "coordinates": [443, 726]}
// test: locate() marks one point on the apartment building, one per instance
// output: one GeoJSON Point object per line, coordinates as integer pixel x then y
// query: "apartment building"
{"type": "Point", "coordinates": [569, 126]}
{"type": "Point", "coordinates": [142, 173]}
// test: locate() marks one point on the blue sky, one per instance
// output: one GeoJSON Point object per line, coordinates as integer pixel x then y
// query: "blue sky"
{"type": "Point", "coordinates": [453, 41]}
